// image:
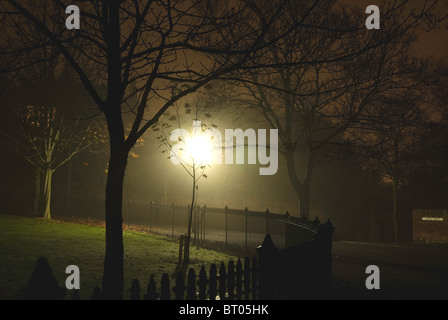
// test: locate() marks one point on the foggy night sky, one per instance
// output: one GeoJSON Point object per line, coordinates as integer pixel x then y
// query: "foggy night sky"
{"type": "Point", "coordinates": [237, 186]}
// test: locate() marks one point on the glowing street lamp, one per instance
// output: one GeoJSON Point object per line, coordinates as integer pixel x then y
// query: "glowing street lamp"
{"type": "Point", "coordinates": [194, 150]}
{"type": "Point", "coordinates": [199, 149]}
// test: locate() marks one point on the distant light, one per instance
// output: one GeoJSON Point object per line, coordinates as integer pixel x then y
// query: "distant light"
{"type": "Point", "coordinates": [431, 219]}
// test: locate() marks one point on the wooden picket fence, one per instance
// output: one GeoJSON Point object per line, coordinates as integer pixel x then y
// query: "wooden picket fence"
{"type": "Point", "coordinates": [235, 282]}
{"type": "Point", "coordinates": [302, 271]}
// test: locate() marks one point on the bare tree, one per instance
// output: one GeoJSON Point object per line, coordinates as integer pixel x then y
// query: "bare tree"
{"type": "Point", "coordinates": [313, 93]}
{"type": "Point", "coordinates": [144, 45]}
{"type": "Point", "coordinates": [45, 132]}
{"type": "Point", "coordinates": [388, 139]}
{"type": "Point", "coordinates": [403, 132]}
{"type": "Point", "coordinates": [432, 77]}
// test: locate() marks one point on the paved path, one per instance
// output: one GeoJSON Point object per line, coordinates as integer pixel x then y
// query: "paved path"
{"type": "Point", "coordinates": [432, 257]}
{"type": "Point", "coordinates": [406, 271]}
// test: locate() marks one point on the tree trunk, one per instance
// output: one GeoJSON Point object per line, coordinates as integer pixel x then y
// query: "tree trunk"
{"type": "Point", "coordinates": [302, 189]}
{"type": "Point", "coordinates": [395, 209]}
{"type": "Point", "coordinates": [47, 193]}
{"type": "Point", "coordinates": [113, 277]}
{"type": "Point", "coordinates": [305, 202]}
{"type": "Point", "coordinates": [69, 186]}
{"type": "Point", "coordinates": [395, 179]}
{"type": "Point", "coordinates": [190, 220]}
{"type": "Point", "coordinates": [36, 203]}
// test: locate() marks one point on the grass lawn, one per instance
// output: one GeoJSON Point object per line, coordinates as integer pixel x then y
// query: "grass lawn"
{"type": "Point", "coordinates": [23, 240]}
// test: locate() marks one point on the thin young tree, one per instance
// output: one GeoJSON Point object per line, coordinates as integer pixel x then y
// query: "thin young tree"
{"type": "Point", "coordinates": [194, 150]}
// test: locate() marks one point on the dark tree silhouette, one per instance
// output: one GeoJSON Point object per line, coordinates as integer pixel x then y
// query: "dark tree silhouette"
{"type": "Point", "coordinates": [138, 49]}
{"type": "Point", "coordinates": [314, 93]}
{"type": "Point", "coordinates": [401, 134]}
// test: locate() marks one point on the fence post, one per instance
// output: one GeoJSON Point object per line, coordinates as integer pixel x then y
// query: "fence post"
{"type": "Point", "coordinates": [268, 260]}
{"type": "Point", "coordinates": [181, 245]}
{"type": "Point", "coordinates": [194, 224]}
{"type": "Point", "coordinates": [135, 290]}
{"type": "Point", "coordinates": [267, 221]}
{"type": "Point", "coordinates": [202, 283]}
{"type": "Point", "coordinates": [226, 213]}
{"type": "Point", "coordinates": [172, 226]}
{"type": "Point", "coordinates": [200, 222]}
{"type": "Point", "coordinates": [198, 231]}
{"type": "Point", "coordinates": [231, 280]}
{"type": "Point", "coordinates": [42, 283]}
{"type": "Point", "coordinates": [96, 294]}
{"type": "Point", "coordinates": [212, 288]}
{"type": "Point", "coordinates": [286, 228]}
{"type": "Point", "coordinates": [239, 279]}
{"type": "Point", "coordinates": [179, 289]}
{"type": "Point", "coordinates": [222, 281]}
{"type": "Point", "coordinates": [151, 290]}
{"type": "Point", "coordinates": [165, 287]}
{"type": "Point", "coordinates": [324, 241]}
{"type": "Point", "coordinates": [254, 278]}
{"type": "Point", "coordinates": [246, 274]}
{"type": "Point", "coordinates": [246, 215]}
{"type": "Point", "coordinates": [203, 219]}
{"type": "Point", "coordinates": [128, 211]}
{"type": "Point", "coordinates": [150, 216]}
{"type": "Point", "coordinates": [188, 217]}
{"type": "Point", "coordinates": [191, 285]}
